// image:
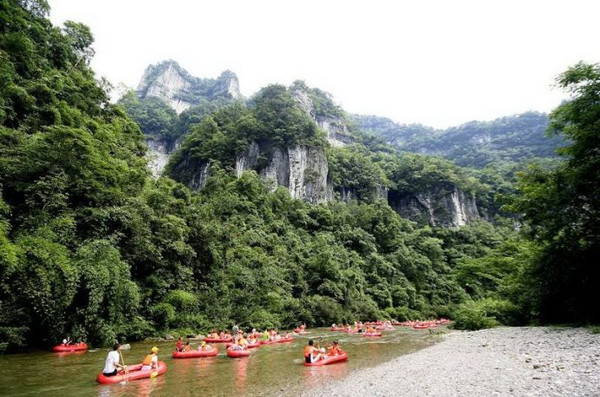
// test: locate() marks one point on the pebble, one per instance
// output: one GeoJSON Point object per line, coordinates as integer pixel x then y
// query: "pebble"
{"type": "Point", "coordinates": [503, 361]}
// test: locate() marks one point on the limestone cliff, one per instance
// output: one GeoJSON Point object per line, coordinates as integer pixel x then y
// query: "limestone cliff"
{"type": "Point", "coordinates": [303, 170]}
{"type": "Point", "coordinates": [159, 153]}
{"type": "Point", "coordinates": [320, 107]}
{"type": "Point", "coordinates": [170, 82]}
{"type": "Point", "coordinates": [438, 206]}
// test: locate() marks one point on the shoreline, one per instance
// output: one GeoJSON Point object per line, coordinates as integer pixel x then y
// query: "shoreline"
{"type": "Point", "coordinates": [503, 361]}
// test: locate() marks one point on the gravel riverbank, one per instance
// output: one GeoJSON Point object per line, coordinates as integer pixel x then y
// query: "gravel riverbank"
{"type": "Point", "coordinates": [526, 361]}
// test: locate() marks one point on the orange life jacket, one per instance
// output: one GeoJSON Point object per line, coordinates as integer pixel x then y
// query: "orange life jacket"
{"type": "Point", "coordinates": [334, 351]}
{"type": "Point", "coordinates": [147, 359]}
{"type": "Point", "coordinates": [307, 351]}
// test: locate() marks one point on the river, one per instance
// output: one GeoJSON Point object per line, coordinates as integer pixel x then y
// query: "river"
{"type": "Point", "coordinates": [271, 370]}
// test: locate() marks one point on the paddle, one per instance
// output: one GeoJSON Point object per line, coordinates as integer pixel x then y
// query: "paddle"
{"type": "Point", "coordinates": [125, 369]}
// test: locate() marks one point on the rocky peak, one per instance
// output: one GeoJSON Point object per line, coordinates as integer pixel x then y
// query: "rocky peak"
{"type": "Point", "coordinates": [173, 84]}
{"type": "Point", "coordinates": [320, 107]}
{"type": "Point", "coordinates": [300, 94]}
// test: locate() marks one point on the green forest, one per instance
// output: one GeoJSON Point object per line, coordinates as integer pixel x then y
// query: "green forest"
{"type": "Point", "coordinates": [92, 246]}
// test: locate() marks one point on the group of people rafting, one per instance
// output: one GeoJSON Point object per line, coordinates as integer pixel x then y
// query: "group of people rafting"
{"type": "Point", "coordinates": [359, 326]}
{"type": "Point", "coordinates": [114, 363]}
{"type": "Point", "coordinates": [313, 354]}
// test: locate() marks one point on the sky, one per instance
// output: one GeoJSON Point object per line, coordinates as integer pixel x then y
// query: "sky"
{"type": "Point", "coordinates": [440, 63]}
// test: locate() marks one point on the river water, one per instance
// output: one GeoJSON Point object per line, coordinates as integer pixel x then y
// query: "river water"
{"type": "Point", "coordinates": [271, 370]}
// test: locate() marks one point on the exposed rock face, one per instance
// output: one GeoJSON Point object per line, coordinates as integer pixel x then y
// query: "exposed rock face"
{"type": "Point", "coordinates": [303, 170]}
{"type": "Point", "coordinates": [379, 192]}
{"type": "Point", "coordinates": [192, 172]}
{"type": "Point", "coordinates": [159, 152]}
{"type": "Point", "coordinates": [436, 207]}
{"type": "Point", "coordinates": [166, 85]}
{"type": "Point", "coordinates": [335, 127]}
{"type": "Point", "coordinates": [170, 82]}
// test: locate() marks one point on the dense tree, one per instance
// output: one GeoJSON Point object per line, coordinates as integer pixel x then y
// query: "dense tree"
{"type": "Point", "coordinates": [562, 206]}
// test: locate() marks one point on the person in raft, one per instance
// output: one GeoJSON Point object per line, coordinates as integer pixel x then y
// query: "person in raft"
{"type": "Point", "coordinates": [335, 349]}
{"type": "Point", "coordinates": [311, 353]}
{"type": "Point", "coordinates": [179, 346]}
{"type": "Point", "coordinates": [186, 347]}
{"type": "Point", "coordinates": [240, 344]}
{"type": "Point", "coordinates": [204, 346]}
{"type": "Point", "coordinates": [111, 365]}
{"type": "Point", "coordinates": [151, 360]}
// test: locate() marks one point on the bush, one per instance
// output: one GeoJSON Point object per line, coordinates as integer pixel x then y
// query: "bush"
{"type": "Point", "coordinates": [137, 329]}
{"type": "Point", "coordinates": [182, 300]}
{"type": "Point", "coordinates": [402, 313]}
{"type": "Point", "coordinates": [472, 316]}
{"type": "Point", "coordinates": [193, 321]}
{"type": "Point", "coordinates": [163, 314]}
{"type": "Point", "coordinates": [262, 319]}
{"type": "Point", "coordinates": [325, 309]}
{"type": "Point", "coordinates": [502, 310]}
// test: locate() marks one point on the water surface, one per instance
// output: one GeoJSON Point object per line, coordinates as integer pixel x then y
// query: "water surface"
{"type": "Point", "coordinates": [270, 370]}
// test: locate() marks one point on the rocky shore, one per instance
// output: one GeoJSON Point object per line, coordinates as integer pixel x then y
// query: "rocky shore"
{"type": "Point", "coordinates": [527, 361]}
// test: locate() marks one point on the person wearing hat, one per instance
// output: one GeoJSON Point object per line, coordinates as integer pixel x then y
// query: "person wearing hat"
{"type": "Point", "coordinates": [151, 360]}
{"type": "Point", "coordinates": [204, 346]}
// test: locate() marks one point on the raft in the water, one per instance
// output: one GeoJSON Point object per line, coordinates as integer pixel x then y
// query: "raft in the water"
{"type": "Point", "coordinates": [372, 334]}
{"type": "Point", "coordinates": [281, 340]}
{"type": "Point", "coordinates": [70, 348]}
{"type": "Point", "coordinates": [421, 326]}
{"type": "Point", "coordinates": [196, 353]}
{"type": "Point", "coordinates": [237, 353]}
{"type": "Point", "coordinates": [343, 356]}
{"type": "Point", "coordinates": [134, 372]}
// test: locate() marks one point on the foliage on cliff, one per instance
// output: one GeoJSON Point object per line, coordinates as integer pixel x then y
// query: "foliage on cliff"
{"type": "Point", "coordinates": [272, 119]}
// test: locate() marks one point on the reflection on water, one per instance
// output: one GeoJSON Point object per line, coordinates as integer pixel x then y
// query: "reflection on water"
{"type": "Point", "coordinates": [270, 370]}
{"type": "Point", "coordinates": [315, 376]}
{"type": "Point", "coordinates": [240, 366]}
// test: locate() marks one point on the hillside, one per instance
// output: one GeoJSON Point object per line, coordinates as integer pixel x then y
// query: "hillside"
{"type": "Point", "coordinates": [510, 139]}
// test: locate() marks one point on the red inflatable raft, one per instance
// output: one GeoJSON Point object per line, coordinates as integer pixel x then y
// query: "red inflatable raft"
{"type": "Point", "coordinates": [237, 353]}
{"type": "Point", "coordinates": [70, 348]}
{"type": "Point", "coordinates": [196, 353]}
{"type": "Point", "coordinates": [134, 372]}
{"type": "Point", "coordinates": [421, 326]}
{"type": "Point", "coordinates": [372, 334]}
{"type": "Point", "coordinates": [271, 342]}
{"type": "Point", "coordinates": [338, 328]}
{"type": "Point", "coordinates": [343, 356]}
